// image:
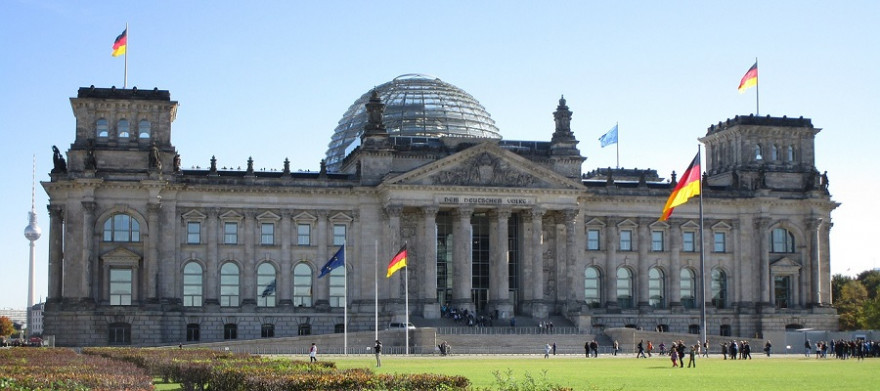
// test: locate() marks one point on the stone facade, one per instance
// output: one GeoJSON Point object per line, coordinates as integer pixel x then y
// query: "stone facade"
{"type": "Point", "coordinates": [143, 252]}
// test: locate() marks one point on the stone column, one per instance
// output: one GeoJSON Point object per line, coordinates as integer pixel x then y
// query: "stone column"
{"type": "Point", "coordinates": [812, 298]}
{"type": "Point", "coordinates": [462, 269]}
{"type": "Point", "coordinates": [284, 283]}
{"type": "Point", "coordinates": [825, 263]}
{"type": "Point", "coordinates": [641, 279]}
{"type": "Point", "coordinates": [249, 261]}
{"type": "Point", "coordinates": [540, 308]}
{"type": "Point", "coordinates": [765, 281]}
{"type": "Point", "coordinates": [499, 282]}
{"type": "Point", "coordinates": [212, 263]}
{"type": "Point", "coordinates": [571, 248]}
{"type": "Point", "coordinates": [610, 275]}
{"type": "Point", "coordinates": [56, 251]}
{"type": "Point", "coordinates": [322, 285]}
{"type": "Point", "coordinates": [675, 247]}
{"type": "Point", "coordinates": [89, 277]}
{"type": "Point", "coordinates": [428, 291]}
{"type": "Point", "coordinates": [396, 282]}
{"type": "Point", "coordinates": [151, 271]}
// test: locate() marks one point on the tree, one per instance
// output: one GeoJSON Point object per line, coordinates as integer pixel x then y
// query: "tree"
{"type": "Point", "coordinates": [872, 314]}
{"type": "Point", "coordinates": [6, 327]}
{"type": "Point", "coordinates": [837, 282]}
{"type": "Point", "coordinates": [851, 305]}
{"type": "Point", "coordinates": [871, 280]}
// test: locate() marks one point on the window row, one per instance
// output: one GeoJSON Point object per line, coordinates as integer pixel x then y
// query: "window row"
{"type": "Point", "coordinates": [781, 241]}
{"type": "Point", "coordinates": [657, 288]}
{"type": "Point", "coordinates": [777, 153]}
{"type": "Point", "coordinates": [120, 333]}
{"type": "Point", "coordinates": [266, 285]}
{"type": "Point", "coordinates": [123, 129]}
{"type": "Point", "coordinates": [266, 231]}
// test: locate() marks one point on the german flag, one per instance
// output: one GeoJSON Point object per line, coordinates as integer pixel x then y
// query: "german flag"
{"type": "Point", "coordinates": [750, 79]}
{"type": "Point", "coordinates": [120, 43]}
{"type": "Point", "coordinates": [687, 187]}
{"type": "Point", "coordinates": [398, 262]}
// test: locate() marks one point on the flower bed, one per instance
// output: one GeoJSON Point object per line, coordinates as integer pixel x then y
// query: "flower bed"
{"type": "Point", "coordinates": [63, 369]}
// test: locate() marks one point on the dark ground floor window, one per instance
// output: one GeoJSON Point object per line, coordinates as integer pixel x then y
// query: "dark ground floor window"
{"type": "Point", "coordinates": [192, 332]}
{"type": "Point", "coordinates": [120, 334]}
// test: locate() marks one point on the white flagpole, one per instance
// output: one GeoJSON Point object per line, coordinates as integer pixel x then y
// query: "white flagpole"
{"type": "Point", "coordinates": [345, 298]}
{"type": "Point", "coordinates": [703, 331]}
{"type": "Point", "coordinates": [406, 304]}
{"type": "Point", "coordinates": [125, 77]}
{"type": "Point", "coordinates": [376, 289]}
{"type": "Point", "coordinates": [617, 143]}
{"type": "Point", "coordinates": [757, 87]}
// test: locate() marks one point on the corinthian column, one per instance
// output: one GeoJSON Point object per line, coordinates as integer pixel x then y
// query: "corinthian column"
{"type": "Point", "coordinates": [462, 263]}
{"type": "Point", "coordinates": [499, 282]}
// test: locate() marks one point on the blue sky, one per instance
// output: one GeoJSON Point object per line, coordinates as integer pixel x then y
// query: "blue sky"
{"type": "Point", "coordinates": [270, 79]}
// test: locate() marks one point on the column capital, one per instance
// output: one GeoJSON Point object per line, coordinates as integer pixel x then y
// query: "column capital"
{"type": "Point", "coordinates": [761, 223]}
{"type": "Point", "coordinates": [393, 210]}
{"type": "Point", "coordinates": [463, 212]}
{"type": "Point", "coordinates": [56, 211]}
{"type": "Point", "coordinates": [430, 211]}
{"type": "Point", "coordinates": [154, 207]}
{"type": "Point", "coordinates": [89, 206]}
{"type": "Point", "coordinates": [322, 213]}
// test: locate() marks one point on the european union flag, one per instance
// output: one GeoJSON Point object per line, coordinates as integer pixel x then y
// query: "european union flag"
{"type": "Point", "coordinates": [336, 261]}
{"type": "Point", "coordinates": [609, 138]}
{"type": "Point", "coordinates": [269, 289]}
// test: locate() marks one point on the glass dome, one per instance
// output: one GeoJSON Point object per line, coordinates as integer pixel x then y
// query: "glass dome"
{"type": "Point", "coordinates": [415, 105]}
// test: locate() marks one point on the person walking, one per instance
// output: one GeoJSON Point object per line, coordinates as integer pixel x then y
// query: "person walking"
{"type": "Point", "coordinates": [692, 356]}
{"type": "Point", "coordinates": [767, 347]}
{"type": "Point", "coordinates": [378, 350]}
{"type": "Point", "coordinates": [641, 350]}
{"type": "Point", "coordinates": [616, 347]}
{"type": "Point", "coordinates": [587, 349]}
{"type": "Point", "coordinates": [547, 349]}
{"type": "Point", "coordinates": [313, 353]}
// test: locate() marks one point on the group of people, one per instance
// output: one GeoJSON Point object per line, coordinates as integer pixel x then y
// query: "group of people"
{"type": "Point", "coordinates": [677, 353]}
{"type": "Point", "coordinates": [742, 349]}
{"type": "Point", "coordinates": [591, 348]}
{"type": "Point", "coordinates": [842, 349]}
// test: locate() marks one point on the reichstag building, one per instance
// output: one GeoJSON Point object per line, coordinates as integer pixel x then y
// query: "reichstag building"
{"type": "Point", "coordinates": [143, 251]}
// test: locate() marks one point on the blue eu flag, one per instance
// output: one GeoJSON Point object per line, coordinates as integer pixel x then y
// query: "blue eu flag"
{"type": "Point", "coordinates": [336, 261]}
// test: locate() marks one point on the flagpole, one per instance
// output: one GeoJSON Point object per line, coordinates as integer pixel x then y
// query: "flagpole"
{"type": "Point", "coordinates": [406, 304]}
{"type": "Point", "coordinates": [702, 261]}
{"type": "Point", "coordinates": [125, 76]}
{"type": "Point", "coordinates": [617, 143]}
{"type": "Point", "coordinates": [376, 288]}
{"type": "Point", "coordinates": [345, 298]}
{"type": "Point", "coordinates": [757, 89]}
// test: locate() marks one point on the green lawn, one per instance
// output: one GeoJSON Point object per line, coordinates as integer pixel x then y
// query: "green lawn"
{"type": "Point", "coordinates": [606, 373]}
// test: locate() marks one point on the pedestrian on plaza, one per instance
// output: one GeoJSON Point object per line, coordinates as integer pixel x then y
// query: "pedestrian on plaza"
{"type": "Point", "coordinates": [587, 349]}
{"type": "Point", "coordinates": [554, 348]}
{"type": "Point", "coordinates": [313, 353]}
{"type": "Point", "coordinates": [641, 350]}
{"type": "Point", "coordinates": [692, 358]}
{"type": "Point", "coordinates": [767, 347]}
{"type": "Point", "coordinates": [547, 349]}
{"type": "Point", "coordinates": [616, 347]}
{"type": "Point", "coordinates": [378, 350]}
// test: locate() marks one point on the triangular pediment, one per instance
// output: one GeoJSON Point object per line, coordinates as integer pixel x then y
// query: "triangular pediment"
{"type": "Point", "coordinates": [785, 265]}
{"type": "Point", "coordinates": [193, 215]}
{"type": "Point", "coordinates": [627, 223]}
{"type": "Point", "coordinates": [121, 256]}
{"type": "Point", "coordinates": [231, 215]}
{"type": "Point", "coordinates": [485, 165]}
{"type": "Point", "coordinates": [268, 216]}
{"type": "Point", "coordinates": [305, 217]}
{"type": "Point", "coordinates": [595, 223]}
{"type": "Point", "coordinates": [721, 226]}
{"type": "Point", "coordinates": [690, 224]}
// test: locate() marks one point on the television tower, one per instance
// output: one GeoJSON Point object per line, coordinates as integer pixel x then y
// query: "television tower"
{"type": "Point", "coordinates": [32, 232]}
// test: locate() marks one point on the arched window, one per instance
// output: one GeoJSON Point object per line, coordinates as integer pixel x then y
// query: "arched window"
{"type": "Point", "coordinates": [774, 152]}
{"type": "Point", "coordinates": [758, 152]}
{"type": "Point", "coordinates": [122, 228]}
{"type": "Point", "coordinates": [102, 129]}
{"type": "Point", "coordinates": [337, 287]}
{"type": "Point", "coordinates": [688, 285]}
{"type": "Point", "coordinates": [122, 128]}
{"type": "Point", "coordinates": [144, 129]}
{"type": "Point", "coordinates": [266, 285]}
{"type": "Point", "coordinates": [789, 153]}
{"type": "Point", "coordinates": [719, 288]}
{"type": "Point", "coordinates": [302, 285]}
{"type": "Point", "coordinates": [656, 286]}
{"type": "Point", "coordinates": [192, 284]}
{"type": "Point", "coordinates": [782, 241]}
{"type": "Point", "coordinates": [624, 288]}
{"type": "Point", "coordinates": [592, 287]}
{"type": "Point", "coordinates": [229, 284]}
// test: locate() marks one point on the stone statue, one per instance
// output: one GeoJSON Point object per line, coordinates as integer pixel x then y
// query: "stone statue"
{"type": "Point", "coordinates": [60, 164]}
{"type": "Point", "coordinates": [155, 161]}
{"type": "Point", "coordinates": [91, 162]}
{"type": "Point", "coordinates": [823, 181]}
{"type": "Point", "coordinates": [177, 162]}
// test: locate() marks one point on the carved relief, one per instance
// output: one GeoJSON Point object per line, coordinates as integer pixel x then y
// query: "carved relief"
{"type": "Point", "coordinates": [484, 170]}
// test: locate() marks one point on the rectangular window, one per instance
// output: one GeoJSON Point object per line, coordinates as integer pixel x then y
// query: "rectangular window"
{"type": "Point", "coordinates": [120, 286]}
{"type": "Point", "coordinates": [303, 234]}
{"type": "Point", "coordinates": [338, 234]}
{"type": "Point", "coordinates": [192, 332]}
{"type": "Point", "coordinates": [687, 242]}
{"type": "Point", "coordinates": [230, 233]}
{"type": "Point", "coordinates": [593, 239]}
{"type": "Point", "coordinates": [267, 234]}
{"type": "Point", "coordinates": [656, 240]}
{"type": "Point", "coordinates": [720, 242]}
{"type": "Point", "coordinates": [626, 240]}
{"type": "Point", "coordinates": [193, 232]}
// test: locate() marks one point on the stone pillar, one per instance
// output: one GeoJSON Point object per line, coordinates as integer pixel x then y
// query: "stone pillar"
{"type": "Point", "coordinates": [56, 251]}
{"type": "Point", "coordinates": [571, 249]}
{"type": "Point", "coordinates": [322, 285]}
{"type": "Point", "coordinates": [641, 279]}
{"type": "Point", "coordinates": [89, 273]}
{"type": "Point", "coordinates": [249, 261]}
{"type": "Point", "coordinates": [212, 263]}
{"type": "Point", "coordinates": [462, 263]}
{"type": "Point", "coordinates": [765, 281]}
{"type": "Point", "coordinates": [151, 271]}
{"type": "Point", "coordinates": [499, 282]}
{"type": "Point", "coordinates": [610, 276]}
{"type": "Point", "coordinates": [675, 247]}
{"type": "Point", "coordinates": [540, 308]}
{"type": "Point", "coordinates": [285, 278]}
{"type": "Point", "coordinates": [396, 282]}
{"type": "Point", "coordinates": [825, 263]}
{"type": "Point", "coordinates": [428, 291]}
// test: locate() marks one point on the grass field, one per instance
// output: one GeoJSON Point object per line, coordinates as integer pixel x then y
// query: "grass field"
{"type": "Point", "coordinates": [793, 372]}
